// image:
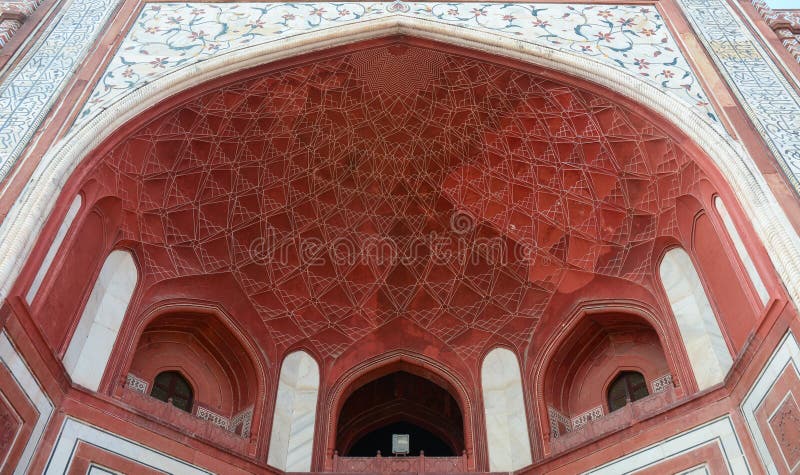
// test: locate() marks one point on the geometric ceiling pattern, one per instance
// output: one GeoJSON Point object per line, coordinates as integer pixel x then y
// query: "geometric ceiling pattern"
{"type": "Point", "coordinates": [398, 182]}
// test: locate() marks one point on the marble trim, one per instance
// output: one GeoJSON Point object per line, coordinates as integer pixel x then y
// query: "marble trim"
{"type": "Point", "coordinates": [507, 435]}
{"type": "Point", "coordinates": [44, 268]}
{"type": "Point", "coordinates": [787, 353]}
{"type": "Point", "coordinates": [167, 36]}
{"type": "Point", "coordinates": [295, 414]}
{"type": "Point", "coordinates": [32, 87]}
{"type": "Point", "coordinates": [30, 386]}
{"type": "Point", "coordinates": [741, 250]}
{"type": "Point", "coordinates": [24, 222]}
{"type": "Point", "coordinates": [720, 431]}
{"type": "Point", "coordinates": [74, 431]}
{"type": "Point", "coordinates": [136, 383]}
{"type": "Point", "coordinates": [764, 92]}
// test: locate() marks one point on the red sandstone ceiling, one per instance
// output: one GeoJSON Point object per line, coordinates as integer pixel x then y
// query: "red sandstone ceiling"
{"type": "Point", "coordinates": [398, 182]}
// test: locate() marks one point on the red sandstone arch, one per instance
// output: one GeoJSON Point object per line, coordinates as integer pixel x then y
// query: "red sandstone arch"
{"type": "Point", "coordinates": [595, 210]}
{"type": "Point", "coordinates": [419, 365]}
{"type": "Point", "coordinates": [429, 408]}
{"type": "Point", "coordinates": [659, 347]}
{"type": "Point", "coordinates": [206, 346]}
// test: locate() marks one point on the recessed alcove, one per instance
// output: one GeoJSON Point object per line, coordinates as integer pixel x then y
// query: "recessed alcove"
{"type": "Point", "coordinates": [197, 350]}
{"type": "Point", "coordinates": [400, 402]}
{"type": "Point", "coordinates": [595, 373]}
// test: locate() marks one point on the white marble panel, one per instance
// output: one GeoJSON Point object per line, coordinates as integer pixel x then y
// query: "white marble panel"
{"type": "Point", "coordinates": [719, 431]}
{"type": "Point", "coordinates": [292, 439]}
{"type": "Point", "coordinates": [96, 333]}
{"type": "Point", "coordinates": [749, 266]}
{"type": "Point", "coordinates": [506, 422]}
{"type": "Point", "coordinates": [699, 470]}
{"type": "Point", "coordinates": [54, 247]}
{"type": "Point", "coordinates": [98, 470]}
{"type": "Point", "coordinates": [708, 353]}
{"type": "Point", "coordinates": [74, 431]}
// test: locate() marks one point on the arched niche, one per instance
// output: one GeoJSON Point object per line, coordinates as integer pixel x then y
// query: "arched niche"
{"type": "Point", "coordinates": [291, 444]}
{"type": "Point", "coordinates": [198, 345]}
{"type": "Point", "coordinates": [357, 372]}
{"type": "Point", "coordinates": [95, 335]}
{"type": "Point", "coordinates": [705, 345]}
{"type": "Point", "coordinates": [737, 168]}
{"type": "Point", "coordinates": [557, 243]}
{"type": "Point", "coordinates": [74, 267]}
{"type": "Point", "coordinates": [577, 361]}
{"type": "Point", "coordinates": [507, 435]}
{"type": "Point", "coordinates": [414, 401]}
{"type": "Point", "coordinates": [727, 287]}
{"type": "Point", "coordinates": [594, 351]}
{"type": "Point", "coordinates": [55, 245]}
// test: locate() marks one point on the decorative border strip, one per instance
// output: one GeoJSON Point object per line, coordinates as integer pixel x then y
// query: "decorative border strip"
{"type": "Point", "coordinates": [212, 417]}
{"type": "Point", "coordinates": [787, 353]}
{"type": "Point", "coordinates": [74, 431]}
{"type": "Point", "coordinates": [587, 417]}
{"type": "Point", "coordinates": [170, 36]}
{"type": "Point", "coordinates": [27, 382]}
{"type": "Point", "coordinates": [245, 418]}
{"type": "Point", "coordinates": [719, 431]}
{"type": "Point", "coordinates": [767, 97]}
{"type": "Point", "coordinates": [136, 383]}
{"type": "Point", "coordinates": [661, 383]}
{"type": "Point", "coordinates": [555, 418]}
{"type": "Point", "coordinates": [30, 90]}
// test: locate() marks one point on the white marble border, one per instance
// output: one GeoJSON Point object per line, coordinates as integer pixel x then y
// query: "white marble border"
{"type": "Point", "coordinates": [74, 431]}
{"type": "Point", "coordinates": [33, 86]}
{"type": "Point", "coordinates": [23, 224]}
{"type": "Point", "coordinates": [766, 96]}
{"type": "Point", "coordinates": [27, 382]}
{"type": "Point", "coordinates": [719, 431]}
{"type": "Point", "coordinates": [787, 353]}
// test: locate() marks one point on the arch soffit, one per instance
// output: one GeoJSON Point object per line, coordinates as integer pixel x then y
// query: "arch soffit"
{"type": "Point", "coordinates": [398, 360]}
{"type": "Point", "coordinates": [26, 217]}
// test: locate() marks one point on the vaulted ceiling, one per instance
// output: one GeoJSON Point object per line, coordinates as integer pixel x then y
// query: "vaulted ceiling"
{"type": "Point", "coordinates": [398, 181]}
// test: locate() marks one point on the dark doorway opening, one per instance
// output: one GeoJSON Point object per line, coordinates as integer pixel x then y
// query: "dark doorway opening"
{"type": "Point", "coordinates": [400, 403]}
{"type": "Point", "coordinates": [381, 439]}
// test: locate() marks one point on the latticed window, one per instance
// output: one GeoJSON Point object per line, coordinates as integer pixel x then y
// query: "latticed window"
{"type": "Point", "coordinates": [172, 387]}
{"type": "Point", "coordinates": [628, 386]}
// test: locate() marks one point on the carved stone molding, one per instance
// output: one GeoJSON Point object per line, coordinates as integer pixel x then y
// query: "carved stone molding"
{"type": "Point", "coordinates": [785, 23]}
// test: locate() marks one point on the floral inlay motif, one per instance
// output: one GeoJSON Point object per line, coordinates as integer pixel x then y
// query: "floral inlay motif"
{"type": "Point", "coordinates": [786, 427]}
{"type": "Point", "coordinates": [168, 36]}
